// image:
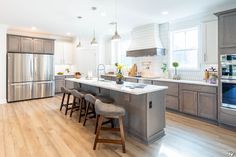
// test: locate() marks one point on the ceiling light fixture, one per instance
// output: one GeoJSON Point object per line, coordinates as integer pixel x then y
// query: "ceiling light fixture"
{"type": "Point", "coordinates": [33, 28]}
{"type": "Point", "coordinates": [68, 34]}
{"type": "Point", "coordinates": [79, 17]}
{"type": "Point", "coordinates": [164, 13]}
{"type": "Point", "coordinates": [94, 42]}
{"type": "Point", "coordinates": [116, 36]}
{"type": "Point", "coordinates": [79, 44]}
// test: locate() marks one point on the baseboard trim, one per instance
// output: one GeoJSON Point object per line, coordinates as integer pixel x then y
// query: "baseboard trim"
{"type": "Point", "coordinates": [3, 101]}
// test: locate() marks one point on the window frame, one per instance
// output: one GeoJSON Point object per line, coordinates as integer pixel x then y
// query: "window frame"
{"type": "Point", "coordinates": [198, 48]}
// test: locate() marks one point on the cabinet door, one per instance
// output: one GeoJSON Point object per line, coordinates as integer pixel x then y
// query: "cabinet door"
{"type": "Point", "coordinates": [38, 45]}
{"type": "Point", "coordinates": [68, 50]}
{"type": "Point", "coordinates": [172, 102]}
{"type": "Point", "coordinates": [48, 46]}
{"type": "Point", "coordinates": [27, 45]}
{"type": "Point", "coordinates": [13, 43]}
{"type": "Point", "coordinates": [227, 30]}
{"type": "Point", "coordinates": [211, 42]}
{"type": "Point", "coordinates": [207, 105]}
{"type": "Point", "coordinates": [59, 53]}
{"type": "Point", "coordinates": [188, 102]}
{"type": "Point", "coordinates": [58, 84]}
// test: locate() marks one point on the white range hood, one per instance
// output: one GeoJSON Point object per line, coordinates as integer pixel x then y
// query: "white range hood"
{"type": "Point", "coordinates": [145, 41]}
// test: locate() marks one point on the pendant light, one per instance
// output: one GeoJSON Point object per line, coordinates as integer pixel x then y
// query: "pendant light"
{"type": "Point", "coordinates": [79, 44]}
{"type": "Point", "coordinates": [116, 36]}
{"type": "Point", "coordinates": [94, 42]}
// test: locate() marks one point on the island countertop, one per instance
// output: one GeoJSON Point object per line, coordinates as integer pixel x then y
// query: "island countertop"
{"type": "Point", "coordinates": [125, 88]}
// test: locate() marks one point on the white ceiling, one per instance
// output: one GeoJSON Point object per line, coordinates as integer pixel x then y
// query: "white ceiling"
{"type": "Point", "coordinates": [60, 16]}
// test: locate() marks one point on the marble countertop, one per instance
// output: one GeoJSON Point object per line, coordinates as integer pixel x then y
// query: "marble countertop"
{"type": "Point", "coordinates": [171, 80]}
{"type": "Point", "coordinates": [120, 88]}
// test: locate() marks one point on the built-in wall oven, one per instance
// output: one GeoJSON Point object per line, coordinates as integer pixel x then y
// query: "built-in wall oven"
{"type": "Point", "coordinates": [228, 81]}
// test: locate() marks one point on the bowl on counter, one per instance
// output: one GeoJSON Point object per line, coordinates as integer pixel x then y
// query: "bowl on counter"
{"type": "Point", "coordinates": [77, 75]}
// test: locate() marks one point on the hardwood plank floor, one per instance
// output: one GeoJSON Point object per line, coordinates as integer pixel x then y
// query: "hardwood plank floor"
{"type": "Point", "coordinates": [38, 129]}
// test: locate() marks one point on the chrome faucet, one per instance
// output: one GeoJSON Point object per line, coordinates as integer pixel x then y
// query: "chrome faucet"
{"type": "Point", "coordinates": [100, 69]}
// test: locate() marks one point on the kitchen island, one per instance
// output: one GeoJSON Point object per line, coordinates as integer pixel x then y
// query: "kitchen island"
{"type": "Point", "coordinates": [144, 105]}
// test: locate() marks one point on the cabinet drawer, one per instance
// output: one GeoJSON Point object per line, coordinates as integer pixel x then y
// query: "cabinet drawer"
{"type": "Point", "coordinates": [57, 77]}
{"type": "Point", "coordinates": [198, 88]}
{"type": "Point", "coordinates": [172, 102]}
{"type": "Point", "coordinates": [131, 80]}
{"type": "Point", "coordinates": [173, 88]}
{"type": "Point", "coordinates": [145, 81]}
{"type": "Point", "coordinates": [69, 76]}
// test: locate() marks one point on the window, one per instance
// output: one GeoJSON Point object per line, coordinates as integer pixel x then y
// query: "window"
{"type": "Point", "coordinates": [184, 48]}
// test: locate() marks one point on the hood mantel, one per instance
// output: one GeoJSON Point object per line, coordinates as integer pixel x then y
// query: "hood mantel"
{"type": "Point", "coordinates": [145, 41]}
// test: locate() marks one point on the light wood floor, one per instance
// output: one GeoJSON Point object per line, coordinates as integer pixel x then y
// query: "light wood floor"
{"type": "Point", "coordinates": [38, 129]}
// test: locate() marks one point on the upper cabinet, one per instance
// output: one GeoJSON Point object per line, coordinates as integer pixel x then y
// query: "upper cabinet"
{"type": "Point", "coordinates": [211, 42]}
{"type": "Point", "coordinates": [227, 31]}
{"type": "Point", "coordinates": [13, 43]}
{"type": "Point", "coordinates": [63, 53]}
{"type": "Point", "coordinates": [29, 45]}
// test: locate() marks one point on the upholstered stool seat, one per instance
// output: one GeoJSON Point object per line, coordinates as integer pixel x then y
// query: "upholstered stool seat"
{"type": "Point", "coordinates": [108, 110]}
{"type": "Point", "coordinates": [104, 99]}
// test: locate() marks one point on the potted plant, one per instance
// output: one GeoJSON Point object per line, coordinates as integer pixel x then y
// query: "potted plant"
{"type": "Point", "coordinates": [119, 75]}
{"type": "Point", "coordinates": [164, 70]}
{"type": "Point", "coordinates": [176, 76]}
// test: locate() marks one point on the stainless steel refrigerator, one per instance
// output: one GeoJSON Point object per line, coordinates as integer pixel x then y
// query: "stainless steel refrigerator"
{"type": "Point", "coordinates": [30, 76]}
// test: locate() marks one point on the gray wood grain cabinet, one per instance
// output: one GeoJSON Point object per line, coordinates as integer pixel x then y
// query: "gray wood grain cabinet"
{"type": "Point", "coordinates": [188, 102]}
{"type": "Point", "coordinates": [61, 82]}
{"type": "Point", "coordinates": [227, 31]}
{"type": "Point", "coordinates": [26, 45]}
{"type": "Point", "coordinates": [207, 106]}
{"type": "Point", "coordinates": [69, 84]}
{"type": "Point", "coordinates": [48, 46]}
{"type": "Point", "coordinates": [38, 46]}
{"type": "Point", "coordinates": [172, 94]}
{"type": "Point", "coordinates": [13, 43]}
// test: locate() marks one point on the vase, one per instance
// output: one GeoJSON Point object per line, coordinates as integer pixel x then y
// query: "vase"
{"type": "Point", "coordinates": [119, 81]}
{"type": "Point", "coordinates": [119, 77]}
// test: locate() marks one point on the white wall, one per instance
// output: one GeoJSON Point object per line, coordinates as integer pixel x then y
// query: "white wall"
{"type": "Point", "coordinates": [3, 30]}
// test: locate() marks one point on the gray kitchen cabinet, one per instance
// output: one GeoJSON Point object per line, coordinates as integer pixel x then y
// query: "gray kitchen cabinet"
{"type": "Point", "coordinates": [145, 81]}
{"type": "Point", "coordinates": [13, 43]}
{"type": "Point", "coordinates": [207, 105]}
{"type": "Point", "coordinates": [106, 77]}
{"type": "Point", "coordinates": [48, 46]}
{"type": "Point", "coordinates": [59, 82]}
{"type": "Point", "coordinates": [38, 45]}
{"type": "Point", "coordinates": [69, 84]}
{"type": "Point", "coordinates": [26, 44]}
{"type": "Point", "coordinates": [172, 94]}
{"type": "Point", "coordinates": [227, 31]}
{"type": "Point", "coordinates": [131, 80]}
{"type": "Point", "coordinates": [188, 102]}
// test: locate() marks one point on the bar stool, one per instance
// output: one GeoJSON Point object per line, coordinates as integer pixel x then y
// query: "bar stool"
{"type": "Point", "coordinates": [105, 110]}
{"type": "Point", "coordinates": [90, 102]}
{"type": "Point", "coordinates": [66, 93]}
{"type": "Point", "coordinates": [78, 103]}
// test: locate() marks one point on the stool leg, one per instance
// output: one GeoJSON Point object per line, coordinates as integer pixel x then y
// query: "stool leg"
{"type": "Point", "coordinates": [62, 101]}
{"type": "Point", "coordinates": [122, 133]}
{"type": "Point", "coordinates": [67, 103]}
{"type": "Point", "coordinates": [96, 125]}
{"type": "Point", "coordinates": [72, 108]}
{"type": "Point", "coordinates": [98, 132]}
{"type": "Point", "coordinates": [86, 112]}
{"type": "Point", "coordinates": [80, 109]}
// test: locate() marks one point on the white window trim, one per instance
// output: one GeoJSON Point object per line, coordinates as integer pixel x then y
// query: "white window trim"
{"type": "Point", "coordinates": [198, 52]}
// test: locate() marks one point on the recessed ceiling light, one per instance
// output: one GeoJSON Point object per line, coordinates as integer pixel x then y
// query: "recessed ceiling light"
{"type": "Point", "coordinates": [33, 28]}
{"type": "Point", "coordinates": [79, 17]}
{"type": "Point", "coordinates": [68, 34]}
{"type": "Point", "coordinates": [94, 8]}
{"type": "Point", "coordinates": [165, 13]}
{"type": "Point", "coordinates": [103, 14]}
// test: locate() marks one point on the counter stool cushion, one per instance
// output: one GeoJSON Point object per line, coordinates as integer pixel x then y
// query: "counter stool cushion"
{"type": "Point", "coordinates": [90, 98]}
{"type": "Point", "coordinates": [105, 99]}
{"type": "Point", "coordinates": [77, 94]}
{"type": "Point", "coordinates": [65, 90]}
{"type": "Point", "coordinates": [108, 110]}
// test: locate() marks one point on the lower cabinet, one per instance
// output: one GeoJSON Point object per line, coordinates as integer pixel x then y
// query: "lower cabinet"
{"type": "Point", "coordinates": [172, 102]}
{"type": "Point", "coordinates": [131, 80]}
{"type": "Point", "coordinates": [188, 102]}
{"type": "Point", "coordinates": [207, 107]}
{"type": "Point", "coordinates": [61, 82]}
